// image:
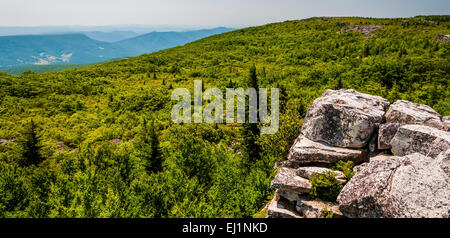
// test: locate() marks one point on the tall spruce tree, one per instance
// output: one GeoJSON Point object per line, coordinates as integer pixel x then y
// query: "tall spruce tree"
{"type": "Point", "coordinates": [31, 148]}
{"type": "Point", "coordinates": [251, 131]}
{"type": "Point", "coordinates": [149, 147]}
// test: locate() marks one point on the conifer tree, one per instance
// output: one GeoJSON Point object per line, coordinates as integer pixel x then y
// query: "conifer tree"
{"type": "Point", "coordinates": [149, 147]}
{"type": "Point", "coordinates": [31, 147]}
{"type": "Point", "coordinates": [251, 131]}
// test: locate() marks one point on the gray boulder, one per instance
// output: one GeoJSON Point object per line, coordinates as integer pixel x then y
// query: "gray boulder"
{"type": "Point", "coordinates": [385, 134]}
{"type": "Point", "coordinates": [308, 172]}
{"type": "Point", "coordinates": [405, 112]}
{"type": "Point", "coordinates": [412, 186]}
{"type": "Point", "coordinates": [425, 140]}
{"type": "Point", "coordinates": [306, 152]}
{"type": "Point", "coordinates": [344, 118]}
{"type": "Point", "coordinates": [287, 180]}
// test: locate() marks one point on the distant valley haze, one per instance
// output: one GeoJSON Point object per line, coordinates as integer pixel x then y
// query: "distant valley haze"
{"type": "Point", "coordinates": [51, 32]}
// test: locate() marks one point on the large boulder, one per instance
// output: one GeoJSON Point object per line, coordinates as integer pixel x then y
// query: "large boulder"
{"type": "Point", "coordinates": [307, 152]}
{"type": "Point", "coordinates": [344, 118]}
{"type": "Point", "coordinates": [308, 172]}
{"type": "Point", "coordinates": [412, 186]}
{"type": "Point", "coordinates": [287, 180]}
{"type": "Point", "coordinates": [405, 112]}
{"type": "Point", "coordinates": [425, 140]}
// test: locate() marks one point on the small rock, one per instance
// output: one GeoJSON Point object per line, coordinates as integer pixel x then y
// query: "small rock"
{"type": "Point", "coordinates": [425, 140]}
{"type": "Point", "coordinates": [315, 208]}
{"type": "Point", "coordinates": [287, 180]}
{"type": "Point", "coordinates": [116, 141]}
{"type": "Point", "coordinates": [405, 112]}
{"type": "Point", "coordinates": [443, 38]}
{"type": "Point", "coordinates": [385, 135]}
{"type": "Point", "coordinates": [344, 118]}
{"type": "Point", "coordinates": [306, 152]}
{"type": "Point", "coordinates": [277, 210]}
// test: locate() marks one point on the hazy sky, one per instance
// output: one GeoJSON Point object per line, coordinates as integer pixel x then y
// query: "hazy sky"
{"type": "Point", "coordinates": [202, 12]}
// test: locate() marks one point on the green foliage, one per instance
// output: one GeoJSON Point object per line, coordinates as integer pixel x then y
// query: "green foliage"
{"type": "Point", "coordinates": [123, 155]}
{"type": "Point", "coordinates": [326, 213]}
{"type": "Point", "coordinates": [325, 186]}
{"type": "Point", "coordinates": [345, 166]}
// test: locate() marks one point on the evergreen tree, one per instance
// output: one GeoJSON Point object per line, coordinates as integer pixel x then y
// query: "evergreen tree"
{"type": "Point", "coordinates": [156, 158]}
{"type": "Point", "coordinates": [31, 147]}
{"type": "Point", "coordinates": [251, 131]}
{"type": "Point", "coordinates": [149, 148]}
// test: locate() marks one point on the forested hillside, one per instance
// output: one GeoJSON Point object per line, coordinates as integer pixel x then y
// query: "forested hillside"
{"type": "Point", "coordinates": [100, 142]}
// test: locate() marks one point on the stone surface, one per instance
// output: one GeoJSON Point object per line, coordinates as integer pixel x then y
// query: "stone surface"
{"type": "Point", "coordinates": [405, 112]}
{"type": "Point", "coordinates": [385, 134]}
{"type": "Point", "coordinates": [309, 208]}
{"type": "Point", "coordinates": [443, 161]}
{"type": "Point", "coordinates": [446, 122]}
{"type": "Point", "coordinates": [410, 186]}
{"type": "Point", "coordinates": [344, 118]}
{"type": "Point", "coordinates": [306, 152]}
{"type": "Point", "coordinates": [276, 209]}
{"type": "Point", "coordinates": [426, 140]}
{"type": "Point", "coordinates": [308, 172]}
{"type": "Point", "coordinates": [287, 180]}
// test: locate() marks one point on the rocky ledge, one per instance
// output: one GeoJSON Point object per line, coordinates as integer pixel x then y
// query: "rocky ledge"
{"type": "Point", "coordinates": [401, 153]}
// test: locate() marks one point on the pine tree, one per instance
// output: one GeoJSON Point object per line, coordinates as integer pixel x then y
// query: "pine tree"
{"type": "Point", "coordinates": [31, 147]}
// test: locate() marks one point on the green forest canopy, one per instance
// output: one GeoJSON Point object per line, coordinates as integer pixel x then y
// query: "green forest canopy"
{"type": "Point", "coordinates": [109, 148]}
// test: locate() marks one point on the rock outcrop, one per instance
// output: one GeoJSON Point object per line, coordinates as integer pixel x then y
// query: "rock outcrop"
{"type": "Point", "coordinates": [412, 186]}
{"type": "Point", "coordinates": [344, 118]}
{"type": "Point", "coordinates": [402, 159]}
{"type": "Point", "coordinates": [426, 140]}
{"type": "Point", "coordinates": [367, 30]}
{"type": "Point", "coordinates": [307, 152]}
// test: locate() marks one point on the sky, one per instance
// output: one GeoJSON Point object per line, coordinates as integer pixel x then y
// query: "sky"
{"type": "Point", "coordinates": [202, 12]}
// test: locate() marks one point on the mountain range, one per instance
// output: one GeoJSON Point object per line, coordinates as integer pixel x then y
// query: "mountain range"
{"type": "Point", "coordinates": [79, 48]}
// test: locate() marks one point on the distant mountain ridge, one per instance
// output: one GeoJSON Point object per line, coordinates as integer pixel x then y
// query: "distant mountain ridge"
{"type": "Point", "coordinates": [78, 48]}
{"type": "Point", "coordinates": [156, 41]}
